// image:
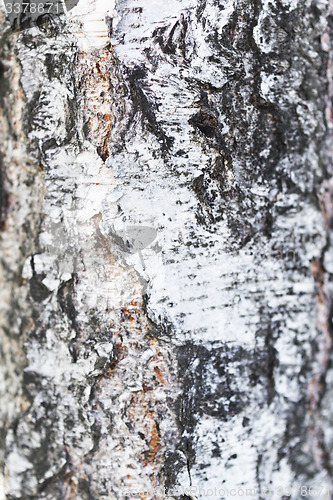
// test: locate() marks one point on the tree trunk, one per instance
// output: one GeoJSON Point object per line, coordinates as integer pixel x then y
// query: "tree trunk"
{"type": "Point", "coordinates": [166, 250]}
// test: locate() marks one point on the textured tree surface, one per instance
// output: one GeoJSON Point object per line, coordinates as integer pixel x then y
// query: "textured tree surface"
{"type": "Point", "coordinates": [166, 260]}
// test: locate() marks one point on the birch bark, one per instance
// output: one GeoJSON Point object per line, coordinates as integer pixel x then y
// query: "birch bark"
{"type": "Point", "coordinates": [166, 250]}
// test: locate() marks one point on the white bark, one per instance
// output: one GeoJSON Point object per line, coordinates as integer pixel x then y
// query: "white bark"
{"type": "Point", "coordinates": [166, 256]}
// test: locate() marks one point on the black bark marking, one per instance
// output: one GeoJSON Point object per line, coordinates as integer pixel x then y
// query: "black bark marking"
{"type": "Point", "coordinates": [142, 105]}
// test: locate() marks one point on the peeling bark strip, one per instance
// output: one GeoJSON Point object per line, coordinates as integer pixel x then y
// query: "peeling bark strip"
{"type": "Point", "coordinates": [166, 250]}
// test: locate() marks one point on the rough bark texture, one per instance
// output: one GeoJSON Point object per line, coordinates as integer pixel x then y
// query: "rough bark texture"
{"type": "Point", "coordinates": [166, 251]}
